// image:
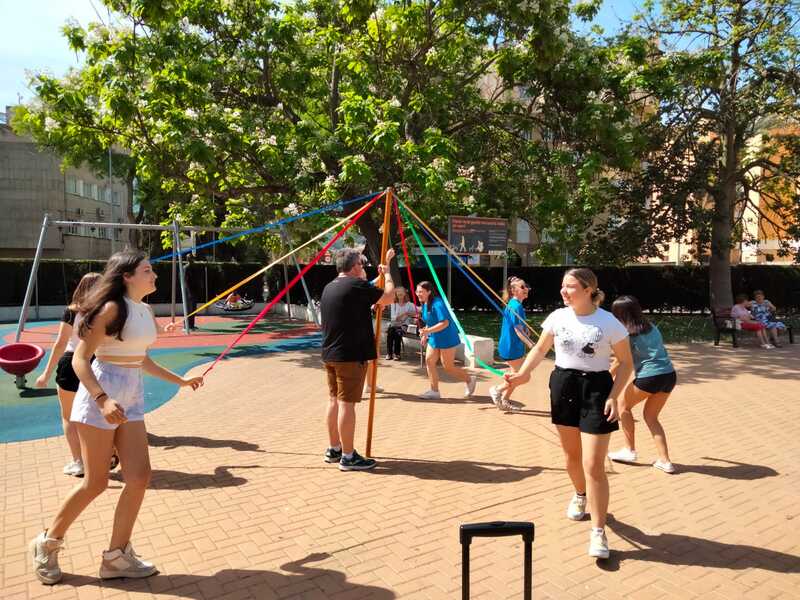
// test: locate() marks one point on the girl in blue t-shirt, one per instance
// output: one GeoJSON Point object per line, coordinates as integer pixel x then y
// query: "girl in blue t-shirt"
{"type": "Point", "coordinates": [442, 339]}
{"type": "Point", "coordinates": [653, 382]}
{"type": "Point", "coordinates": [514, 341]}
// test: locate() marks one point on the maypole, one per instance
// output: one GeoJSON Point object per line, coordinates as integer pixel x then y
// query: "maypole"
{"type": "Point", "coordinates": [373, 374]}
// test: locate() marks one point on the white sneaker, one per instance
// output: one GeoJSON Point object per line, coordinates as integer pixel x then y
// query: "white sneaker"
{"type": "Point", "coordinates": [664, 465]}
{"type": "Point", "coordinates": [368, 390]}
{"type": "Point", "coordinates": [430, 395]}
{"type": "Point", "coordinates": [496, 395]}
{"type": "Point", "coordinates": [44, 552]}
{"type": "Point", "coordinates": [577, 508]}
{"type": "Point", "coordinates": [469, 388]}
{"type": "Point", "coordinates": [623, 455]}
{"type": "Point", "coordinates": [125, 563]}
{"type": "Point", "coordinates": [598, 544]}
{"type": "Point", "coordinates": [767, 346]}
{"type": "Point", "coordinates": [74, 468]}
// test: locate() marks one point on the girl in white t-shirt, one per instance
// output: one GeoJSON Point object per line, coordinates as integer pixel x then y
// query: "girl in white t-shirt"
{"type": "Point", "coordinates": [583, 395]}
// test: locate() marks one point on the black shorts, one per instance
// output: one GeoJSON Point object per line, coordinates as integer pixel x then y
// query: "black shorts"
{"type": "Point", "coordinates": [656, 384]}
{"type": "Point", "coordinates": [578, 399]}
{"type": "Point", "coordinates": [66, 378]}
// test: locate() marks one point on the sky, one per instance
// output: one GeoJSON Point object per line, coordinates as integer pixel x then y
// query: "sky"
{"type": "Point", "coordinates": [31, 40]}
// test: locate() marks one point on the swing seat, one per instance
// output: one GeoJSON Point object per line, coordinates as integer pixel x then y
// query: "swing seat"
{"type": "Point", "coordinates": [238, 307]}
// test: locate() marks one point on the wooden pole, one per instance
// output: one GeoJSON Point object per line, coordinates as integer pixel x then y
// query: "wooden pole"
{"type": "Point", "coordinates": [387, 212]}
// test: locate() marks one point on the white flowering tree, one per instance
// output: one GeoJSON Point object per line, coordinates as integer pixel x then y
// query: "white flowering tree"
{"type": "Point", "coordinates": [237, 112]}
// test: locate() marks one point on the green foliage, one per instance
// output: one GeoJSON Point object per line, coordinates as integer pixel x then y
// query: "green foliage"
{"type": "Point", "coordinates": [233, 111]}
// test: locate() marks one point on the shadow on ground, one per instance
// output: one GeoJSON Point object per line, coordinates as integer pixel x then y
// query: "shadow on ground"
{"type": "Point", "coordinates": [704, 363]}
{"type": "Point", "coordinates": [296, 581]}
{"type": "Point", "coordinates": [176, 441]}
{"type": "Point", "coordinates": [178, 480]}
{"type": "Point", "coordinates": [463, 471]}
{"type": "Point", "coordinates": [675, 549]}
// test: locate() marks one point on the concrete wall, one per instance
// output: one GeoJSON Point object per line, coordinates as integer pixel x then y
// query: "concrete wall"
{"type": "Point", "coordinates": [32, 183]}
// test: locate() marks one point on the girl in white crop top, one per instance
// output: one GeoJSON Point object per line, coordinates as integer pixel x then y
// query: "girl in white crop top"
{"type": "Point", "coordinates": [108, 410]}
{"type": "Point", "coordinates": [60, 359]}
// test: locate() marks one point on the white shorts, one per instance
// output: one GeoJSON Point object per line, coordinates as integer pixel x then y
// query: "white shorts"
{"type": "Point", "coordinates": [123, 384]}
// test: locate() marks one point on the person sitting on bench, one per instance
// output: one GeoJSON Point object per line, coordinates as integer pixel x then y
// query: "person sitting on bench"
{"type": "Point", "coordinates": [748, 323]}
{"type": "Point", "coordinates": [402, 312]}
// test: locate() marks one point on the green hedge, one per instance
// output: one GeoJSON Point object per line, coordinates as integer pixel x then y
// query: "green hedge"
{"type": "Point", "coordinates": [660, 288]}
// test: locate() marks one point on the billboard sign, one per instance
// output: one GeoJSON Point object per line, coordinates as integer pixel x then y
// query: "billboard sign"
{"type": "Point", "coordinates": [478, 235]}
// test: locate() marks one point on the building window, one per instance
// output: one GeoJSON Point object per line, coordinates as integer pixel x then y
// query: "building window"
{"type": "Point", "coordinates": [72, 185]}
{"type": "Point", "coordinates": [93, 192]}
{"type": "Point", "coordinates": [79, 187]}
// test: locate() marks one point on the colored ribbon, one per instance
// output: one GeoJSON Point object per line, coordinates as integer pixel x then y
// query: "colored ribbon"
{"type": "Point", "coordinates": [260, 228]}
{"type": "Point", "coordinates": [412, 291]}
{"type": "Point", "coordinates": [447, 304]}
{"type": "Point", "coordinates": [294, 280]}
{"type": "Point", "coordinates": [447, 247]}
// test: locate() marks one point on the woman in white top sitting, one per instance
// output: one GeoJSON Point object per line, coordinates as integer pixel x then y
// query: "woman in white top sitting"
{"type": "Point", "coordinates": [584, 397]}
{"type": "Point", "coordinates": [117, 328]}
{"type": "Point", "coordinates": [67, 381]}
{"type": "Point", "coordinates": [401, 312]}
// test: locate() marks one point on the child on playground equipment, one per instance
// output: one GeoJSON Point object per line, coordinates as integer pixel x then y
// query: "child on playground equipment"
{"type": "Point", "coordinates": [233, 300]}
{"type": "Point", "coordinates": [513, 337]}
{"type": "Point", "coordinates": [66, 379]}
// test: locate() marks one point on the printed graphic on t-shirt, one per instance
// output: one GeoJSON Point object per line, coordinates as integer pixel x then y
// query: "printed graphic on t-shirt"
{"type": "Point", "coordinates": [578, 343]}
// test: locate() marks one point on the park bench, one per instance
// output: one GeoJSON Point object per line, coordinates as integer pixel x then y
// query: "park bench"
{"type": "Point", "coordinates": [723, 323]}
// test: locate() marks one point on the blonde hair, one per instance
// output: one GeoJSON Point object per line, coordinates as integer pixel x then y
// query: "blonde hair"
{"type": "Point", "coordinates": [588, 279]}
{"type": "Point", "coordinates": [402, 290]}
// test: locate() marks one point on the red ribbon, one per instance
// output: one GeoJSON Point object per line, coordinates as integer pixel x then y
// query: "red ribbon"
{"type": "Point", "coordinates": [296, 278]}
{"type": "Point", "coordinates": [412, 291]}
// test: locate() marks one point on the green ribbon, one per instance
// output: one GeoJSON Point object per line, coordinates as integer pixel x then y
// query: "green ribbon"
{"type": "Point", "coordinates": [444, 296]}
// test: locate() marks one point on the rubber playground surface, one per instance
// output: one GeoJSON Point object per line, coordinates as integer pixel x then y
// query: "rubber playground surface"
{"type": "Point", "coordinates": [34, 413]}
{"type": "Point", "coordinates": [242, 506]}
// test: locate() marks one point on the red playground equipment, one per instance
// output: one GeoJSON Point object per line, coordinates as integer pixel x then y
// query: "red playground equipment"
{"type": "Point", "coordinates": [19, 359]}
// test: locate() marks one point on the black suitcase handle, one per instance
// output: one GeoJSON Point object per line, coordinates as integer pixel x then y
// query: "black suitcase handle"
{"type": "Point", "coordinates": [497, 529]}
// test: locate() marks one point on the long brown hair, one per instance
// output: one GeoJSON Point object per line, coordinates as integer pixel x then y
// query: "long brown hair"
{"type": "Point", "coordinates": [628, 311]}
{"type": "Point", "coordinates": [588, 279]}
{"type": "Point", "coordinates": [111, 288]}
{"type": "Point", "coordinates": [82, 291]}
{"type": "Point", "coordinates": [427, 285]}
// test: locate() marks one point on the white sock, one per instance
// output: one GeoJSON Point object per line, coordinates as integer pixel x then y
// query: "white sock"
{"type": "Point", "coordinates": [338, 448]}
{"type": "Point", "coordinates": [598, 529]}
{"type": "Point", "coordinates": [349, 455]}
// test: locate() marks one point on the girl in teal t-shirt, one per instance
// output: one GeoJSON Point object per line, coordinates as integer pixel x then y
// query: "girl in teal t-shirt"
{"type": "Point", "coordinates": [513, 336]}
{"type": "Point", "coordinates": [442, 339]}
{"type": "Point", "coordinates": [653, 382]}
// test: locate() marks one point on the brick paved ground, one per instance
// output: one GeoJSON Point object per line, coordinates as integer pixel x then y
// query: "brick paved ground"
{"type": "Point", "coordinates": [242, 505]}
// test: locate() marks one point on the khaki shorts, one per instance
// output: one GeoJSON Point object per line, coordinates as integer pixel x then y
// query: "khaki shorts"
{"type": "Point", "coordinates": [346, 380]}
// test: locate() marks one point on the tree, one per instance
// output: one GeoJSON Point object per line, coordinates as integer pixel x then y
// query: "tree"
{"type": "Point", "coordinates": [724, 78]}
{"type": "Point", "coordinates": [239, 111]}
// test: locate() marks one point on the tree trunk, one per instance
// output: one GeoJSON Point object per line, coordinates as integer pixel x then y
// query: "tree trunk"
{"type": "Point", "coordinates": [719, 266]}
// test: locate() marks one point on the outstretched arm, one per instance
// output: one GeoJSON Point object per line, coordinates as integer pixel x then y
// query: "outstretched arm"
{"type": "Point", "coordinates": [533, 359]}
{"type": "Point", "coordinates": [156, 370]}
{"type": "Point", "coordinates": [64, 332]}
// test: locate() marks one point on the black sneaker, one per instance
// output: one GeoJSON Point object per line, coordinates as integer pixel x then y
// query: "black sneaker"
{"type": "Point", "coordinates": [357, 463]}
{"type": "Point", "coordinates": [332, 455]}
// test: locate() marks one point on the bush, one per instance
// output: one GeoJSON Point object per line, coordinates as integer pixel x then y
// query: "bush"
{"type": "Point", "coordinates": [659, 288]}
